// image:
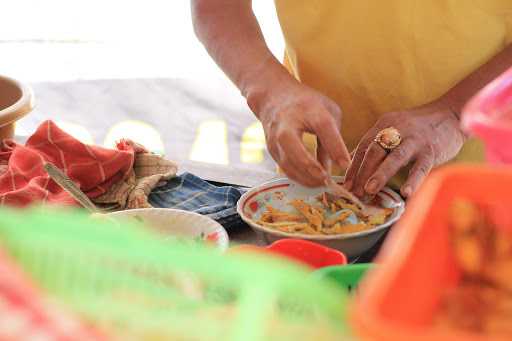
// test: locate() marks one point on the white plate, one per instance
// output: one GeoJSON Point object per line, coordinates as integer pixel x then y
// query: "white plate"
{"type": "Point", "coordinates": [179, 223]}
{"type": "Point", "coordinates": [279, 193]}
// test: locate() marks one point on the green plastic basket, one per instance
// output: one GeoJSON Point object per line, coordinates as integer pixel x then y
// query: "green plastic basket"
{"type": "Point", "coordinates": [133, 285]}
{"type": "Point", "coordinates": [346, 277]}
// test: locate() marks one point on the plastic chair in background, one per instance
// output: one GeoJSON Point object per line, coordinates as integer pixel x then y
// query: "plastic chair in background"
{"type": "Point", "coordinates": [488, 116]}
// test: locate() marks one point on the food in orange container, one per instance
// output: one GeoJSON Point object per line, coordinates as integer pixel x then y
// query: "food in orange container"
{"type": "Point", "coordinates": [444, 271]}
{"type": "Point", "coordinates": [482, 302]}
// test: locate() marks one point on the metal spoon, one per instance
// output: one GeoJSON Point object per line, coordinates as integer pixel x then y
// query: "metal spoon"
{"type": "Point", "coordinates": [69, 186]}
{"type": "Point", "coordinates": [76, 193]}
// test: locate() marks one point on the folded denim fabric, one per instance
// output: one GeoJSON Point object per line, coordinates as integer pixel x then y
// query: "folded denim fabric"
{"type": "Point", "coordinates": [191, 193]}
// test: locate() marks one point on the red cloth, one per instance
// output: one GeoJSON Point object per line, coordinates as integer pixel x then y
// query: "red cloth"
{"type": "Point", "coordinates": [23, 179]}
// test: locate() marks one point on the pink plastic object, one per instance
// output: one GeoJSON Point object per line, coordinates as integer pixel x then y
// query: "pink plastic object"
{"type": "Point", "coordinates": [313, 254]}
{"type": "Point", "coordinates": [488, 116]}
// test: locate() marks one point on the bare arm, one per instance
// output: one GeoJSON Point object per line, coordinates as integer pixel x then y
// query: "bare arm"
{"type": "Point", "coordinates": [231, 34]}
{"type": "Point", "coordinates": [468, 87]}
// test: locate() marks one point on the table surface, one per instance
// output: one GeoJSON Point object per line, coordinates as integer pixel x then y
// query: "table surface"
{"type": "Point", "coordinates": [229, 175]}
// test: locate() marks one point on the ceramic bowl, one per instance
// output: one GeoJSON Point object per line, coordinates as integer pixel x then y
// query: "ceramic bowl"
{"type": "Point", "coordinates": [16, 101]}
{"type": "Point", "coordinates": [178, 223]}
{"type": "Point", "coordinates": [278, 193]}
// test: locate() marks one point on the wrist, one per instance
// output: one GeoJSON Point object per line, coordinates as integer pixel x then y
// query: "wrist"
{"type": "Point", "coordinates": [451, 105]}
{"type": "Point", "coordinates": [451, 112]}
{"type": "Point", "coordinates": [442, 116]}
{"type": "Point", "coordinates": [266, 88]}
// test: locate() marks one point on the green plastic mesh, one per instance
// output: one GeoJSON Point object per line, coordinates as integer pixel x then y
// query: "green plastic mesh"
{"type": "Point", "coordinates": [135, 286]}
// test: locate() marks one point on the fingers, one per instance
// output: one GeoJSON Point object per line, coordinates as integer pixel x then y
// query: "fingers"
{"type": "Point", "coordinates": [324, 159]}
{"type": "Point", "coordinates": [393, 162]}
{"type": "Point", "coordinates": [298, 176]}
{"type": "Point", "coordinates": [371, 161]}
{"type": "Point", "coordinates": [328, 133]}
{"type": "Point", "coordinates": [296, 161]}
{"type": "Point", "coordinates": [357, 159]}
{"type": "Point", "coordinates": [419, 171]}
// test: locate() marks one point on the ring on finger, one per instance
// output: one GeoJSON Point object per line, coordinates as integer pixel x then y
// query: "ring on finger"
{"type": "Point", "coordinates": [388, 138]}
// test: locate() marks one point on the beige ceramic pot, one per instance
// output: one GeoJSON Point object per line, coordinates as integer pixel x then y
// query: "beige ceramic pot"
{"type": "Point", "coordinates": [16, 101]}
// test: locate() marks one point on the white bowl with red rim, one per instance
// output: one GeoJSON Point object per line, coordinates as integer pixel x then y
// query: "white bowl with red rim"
{"type": "Point", "coordinates": [178, 223]}
{"type": "Point", "coordinates": [278, 193]}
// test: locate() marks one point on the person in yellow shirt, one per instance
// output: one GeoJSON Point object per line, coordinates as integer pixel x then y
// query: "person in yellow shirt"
{"type": "Point", "coordinates": [355, 67]}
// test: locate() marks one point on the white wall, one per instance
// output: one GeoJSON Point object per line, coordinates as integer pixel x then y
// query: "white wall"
{"type": "Point", "coordinates": [58, 40]}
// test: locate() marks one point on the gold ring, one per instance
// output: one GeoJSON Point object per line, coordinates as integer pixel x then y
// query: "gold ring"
{"type": "Point", "coordinates": [388, 138]}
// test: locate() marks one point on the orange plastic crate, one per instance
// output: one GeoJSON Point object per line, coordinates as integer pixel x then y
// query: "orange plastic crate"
{"type": "Point", "coordinates": [399, 299]}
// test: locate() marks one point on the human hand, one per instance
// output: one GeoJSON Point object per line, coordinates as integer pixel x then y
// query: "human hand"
{"type": "Point", "coordinates": [286, 115]}
{"type": "Point", "coordinates": [430, 137]}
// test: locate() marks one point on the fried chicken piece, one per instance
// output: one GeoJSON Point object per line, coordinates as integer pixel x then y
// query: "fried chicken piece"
{"type": "Point", "coordinates": [273, 215]}
{"type": "Point", "coordinates": [469, 240]}
{"type": "Point", "coordinates": [293, 228]}
{"type": "Point", "coordinates": [342, 204]}
{"type": "Point", "coordinates": [323, 199]}
{"type": "Point", "coordinates": [456, 305]}
{"type": "Point", "coordinates": [312, 214]}
{"type": "Point", "coordinates": [482, 301]}
{"type": "Point", "coordinates": [498, 267]}
{"type": "Point", "coordinates": [337, 219]}
{"type": "Point", "coordinates": [308, 229]}
{"type": "Point", "coordinates": [469, 254]}
{"type": "Point", "coordinates": [464, 215]}
{"type": "Point", "coordinates": [379, 217]}
{"type": "Point", "coordinates": [349, 228]}
{"type": "Point", "coordinates": [499, 272]}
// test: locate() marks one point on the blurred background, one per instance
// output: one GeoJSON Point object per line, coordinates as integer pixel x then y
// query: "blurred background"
{"type": "Point", "coordinates": [110, 69]}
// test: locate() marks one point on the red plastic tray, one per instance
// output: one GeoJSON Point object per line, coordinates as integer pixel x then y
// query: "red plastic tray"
{"type": "Point", "coordinates": [309, 253]}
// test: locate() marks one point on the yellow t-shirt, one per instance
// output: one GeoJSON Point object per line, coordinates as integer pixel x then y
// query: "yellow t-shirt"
{"type": "Point", "coordinates": [376, 56]}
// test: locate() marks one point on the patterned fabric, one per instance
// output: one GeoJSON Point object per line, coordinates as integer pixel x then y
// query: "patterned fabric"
{"type": "Point", "coordinates": [149, 171]}
{"type": "Point", "coordinates": [191, 193]}
{"type": "Point", "coordinates": [93, 169]}
{"type": "Point", "coordinates": [124, 176]}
